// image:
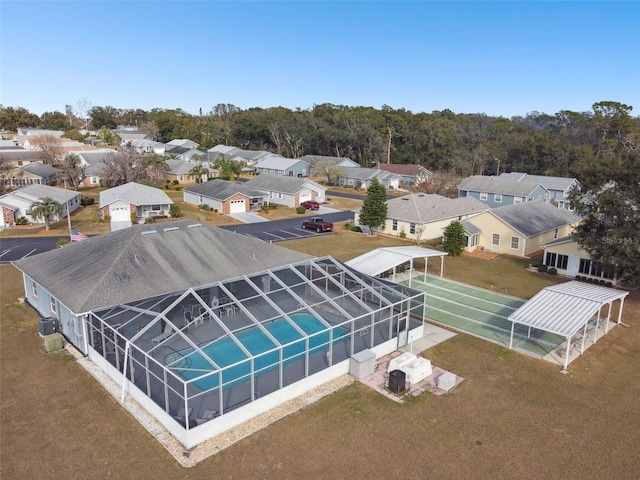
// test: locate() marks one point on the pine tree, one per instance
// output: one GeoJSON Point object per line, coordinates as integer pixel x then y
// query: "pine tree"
{"type": "Point", "coordinates": [374, 209]}
{"type": "Point", "coordinates": [454, 238]}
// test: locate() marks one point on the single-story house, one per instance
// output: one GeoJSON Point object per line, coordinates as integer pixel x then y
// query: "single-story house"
{"type": "Point", "coordinates": [180, 170]}
{"type": "Point", "coordinates": [224, 196]}
{"type": "Point", "coordinates": [422, 216]}
{"type": "Point", "coordinates": [249, 157]}
{"type": "Point", "coordinates": [568, 258]}
{"type": "Point", "coordinates": [361, 178]}
{"type": "Point", "coordinates": [182, 142]}
{"type": "Point", "coordinates": [337, 161]}
{"type": "Point", "coordinates": [519, 229]}
{"type": "Point", "coordinates": [127, 137]}
{"type": "Point", "coordinates": [93, 164]}
{"type": "Point", "coordinates": [16, 157]}
{"type": "Point", "coordinates": [497, 193]}
{"type": "Point", "coordinates": [30, 174]}
{"type": "Point", "coordinates": [121, 202]}
{"type": "Point", "coordinates": [276, 165]}
{"type": "Point", "coordinates": [18, 203]}
{"type": "Point", "coordinates": [148, 146]}
{"type": "Point", "coordinates": [410, 174]}
{"type": "Point", "coordinates": [186, 153]}
{"type": "Point", "coordinates": [38, 132]}
{"type": "Point", "coordinates": [288, 191]}
{"type": "Point", "coordinates": [558, 187]}
{"type": "Point", "coordinates": [205, 328]}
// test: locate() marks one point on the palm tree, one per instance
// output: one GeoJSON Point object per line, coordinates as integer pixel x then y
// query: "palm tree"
{"type": "Point", "coordinates": [198, 171]}
{"type": "Point", "coordinates": [228, 168]}
{"type": "Point", "coordinates": [44, 208]}
{"type": "Point", "coordinates": [156, 164]}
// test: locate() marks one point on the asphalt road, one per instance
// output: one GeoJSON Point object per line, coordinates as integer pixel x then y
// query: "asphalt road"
{"type": "Point", "coordinates": [16, 248]}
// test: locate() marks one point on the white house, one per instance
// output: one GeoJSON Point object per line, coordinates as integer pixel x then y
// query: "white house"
{"type": "Point", "coordinates": [18, 203]}
{"type": "Point", "coordinates": [120, 203]}
{"type": "Point", "coordinates": [288, 191]}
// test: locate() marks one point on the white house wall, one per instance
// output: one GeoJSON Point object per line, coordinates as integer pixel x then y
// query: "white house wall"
{"type": "Point", "coordinates": [197, 199]}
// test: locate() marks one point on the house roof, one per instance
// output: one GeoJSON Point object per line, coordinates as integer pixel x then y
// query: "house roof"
{"type": "Point", "coordinates": [282, 183]}
{"type": "Point", "coordinates": [132, 135]}
{"type": "Point", "coordinates": [482, 183]}
{"type": "Point", "coordinates": [533, 218]}
{"type": "Point", "coordinates": [145, 142]}
{"type": "Point", "coordinates": [94, 157]}
{"type": "Point", "coordinates": [470, 228]}
{"type": "Point", "coordinates": [179, 150]}
{"type": "Point", "coordinates": [558, 241]}
{"type": "Point", "coordinates": [361, 173]}
{"type": "Point", "coordinates": [179, 167]}
{"type": "Point", "coordinates": [145, 261]}
{"type": "Point", "coordinates": [408, 170]}
{"type": "Point", "coordinates": [280, 163]}
{"type": "Point", "coordinates": [37, 192]}
{"type": "Point", "coordinates": [17, 155]}
{"type": "Point", "coordinates": [40, 169]}
{"type": "Point", "coordinates": [226, 149]}
{"type": "Point", "coordinates": [425, 208]}
{"type": "Point", "coordinates": [41, 132]}
{"type": "Point", "coordinates": [313, 159]}
{"type": "Point", "coordinates": [382, 259]}
{"type": "Point", "coordinates": [223, 189]}
{"type": "Point", "coordinates": [550, 183]}
{"type": "Point", "coordinates": [134, 193]}
{"type": "Point", "coordinates": [183, 142]}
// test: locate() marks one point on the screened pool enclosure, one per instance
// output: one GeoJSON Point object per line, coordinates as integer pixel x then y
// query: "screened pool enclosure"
{"type": "Point", "coordinates": [203, 353]}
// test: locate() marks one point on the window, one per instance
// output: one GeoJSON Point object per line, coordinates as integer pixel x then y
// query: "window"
{"type": "Point", "coordinates": [412, 228]}
{"type": "Point", "coordinates": [54, 306]}
{"type": "Point", "coordinates": [555, 234]}
{"type": "Point", "coordinates": [156, 208]}
{"type": "Point", "coordinates": [585, 266]}
{"type": "Point", "coordinates": [27, 212]}
{"type": "Point", "coordinates": [561, 262]}
{"type": "Point", "coordinates": [550, 259]}
{"type": "Point", "coordinates": [394, 225]}
{"type": "Point", "coordinates": [34, 289]}
{"type": "Point", "coordinates": [94, 180]}
{"type": "Point", "coordinates": [495, 239]}
{"type": "Point", "coordinates": [483, 196]}
{"type": "Point", "coordinates": [497, 198]}
{"type": "Point", "coordinates": [515, 243]}
{"type": "Point", "coordinates": [517, 200]}
{"type": "Point", "coordinates": [180, 178]}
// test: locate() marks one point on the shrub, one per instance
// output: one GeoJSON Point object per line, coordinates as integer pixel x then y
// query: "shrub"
{"type": "Point", "coordinates": [62, 242]}
{"type": "Point", "coordinates": [402, 233]}
{"type": "Point", "coordinates": [204, 206]}
{"type": "Point", "coordinates": [148, 220]}
{"type": "Point", "coordinates": [175, 182]}
{"type": "Point", "coordinates": [356, 228]}
{"type": "Point", "coordinates": [602, 282]}
{"type": "Point", "coordinates": [542, 268]}
{"type": "Point", "coordinates": [134, 217]}
{"type": "Point", "coordinates": [174, 211]}
{"type": "Point", "coordinates": [347, 226]}
{"type": "Point", "coordinates": [552, 271]}
{"type": "Point", "coordinates": [84, 201]}
{"type": "Point", "coordinates": [301, 210]}
{"type": "Point", "coordinates": [178, 188]}
{"type": "Point", "coordinates": [22, 221]}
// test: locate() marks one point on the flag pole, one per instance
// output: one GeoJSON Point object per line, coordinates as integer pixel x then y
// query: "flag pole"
{"type": "Point", "coordinates": [68, 208]}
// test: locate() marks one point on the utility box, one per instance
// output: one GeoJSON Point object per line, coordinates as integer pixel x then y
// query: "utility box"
{"type": "Point", "coordinates": [362, 364]}
{"type": "Point", "coordinates": [400, 361]}
{"type": "Point", "coordinates": [417, 370]}
{"type": "Point", "coordinates": [53, 342]}
{"type": "Point", "coordinates": [446, 381]}
{"type": "Point", "coordinates": [47, 326]}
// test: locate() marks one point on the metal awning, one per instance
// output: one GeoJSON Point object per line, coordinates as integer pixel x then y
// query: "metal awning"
{"type": "Point", "coordinates": [565, 309]}
{"type": "Point", "coordinates": [383, 259]}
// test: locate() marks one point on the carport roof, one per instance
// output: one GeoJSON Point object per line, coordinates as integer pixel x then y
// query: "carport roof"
{"type": "Point", "coordinates": [382, 259]}
{"type": "Point", "coordinates": [565, 308]}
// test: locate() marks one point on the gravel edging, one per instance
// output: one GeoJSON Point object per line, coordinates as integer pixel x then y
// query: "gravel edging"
{"type": "Point", "coordinates": [190, 458]}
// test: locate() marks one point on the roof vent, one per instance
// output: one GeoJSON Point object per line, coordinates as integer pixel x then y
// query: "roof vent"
{"type": "Point", "coordinates": [171, 229]}
{"type": "Point", "coordinates": [149, 232]}
{"type": "Point", "coordinates": [194, 225]}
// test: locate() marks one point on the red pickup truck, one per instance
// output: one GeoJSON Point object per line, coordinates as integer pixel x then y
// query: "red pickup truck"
{"type": "Point", "coordinates": [317, 224]}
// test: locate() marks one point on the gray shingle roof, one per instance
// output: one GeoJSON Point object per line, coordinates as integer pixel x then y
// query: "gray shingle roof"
{"type": "Point", "coordinates": [559, 241]}
{"type": "Point", "coordinates": [360, 173]}
{"type": "Point", "coordinates": [223, 189]}
{"type": "Point", "coordinates": [16, 155]}
{"type": "Point", "coordinates": [179, 167]}
{"type": "Point", "coordinates": [40, 169]}
{"type": "Point", "coordinates": [279, 163]}
{"type": "Point", "coordinates": [136, 194]}
{"type": "Point", "coordinates": [281, 183]}
{"type": "Point", "coordinates": [481, 183]}
{"type": "Point", "coordinates": [533, 218]}
{"type": "Point", "coordinates": [470, 228]}
{"type": "Point", "coordinates": [550, 183]}
{"type": "Point", "coordinates": [126, 266]}
{"type": "Point", "coordinates": [37, 191]}
{"type": "Point", "coordinates": [425, 208]}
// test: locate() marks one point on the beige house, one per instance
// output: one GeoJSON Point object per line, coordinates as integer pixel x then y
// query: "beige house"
{"type": "Point", "coordinates": [521, 229]}
{"type": "Point", "coordinates": [565, 255]}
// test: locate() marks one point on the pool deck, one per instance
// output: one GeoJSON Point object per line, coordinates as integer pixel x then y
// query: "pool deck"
{"type": "Point", "coordinates": [377, 380]}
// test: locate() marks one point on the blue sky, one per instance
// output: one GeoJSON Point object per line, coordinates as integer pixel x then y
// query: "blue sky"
{"type": "Point", "coordinates": [498, 58]}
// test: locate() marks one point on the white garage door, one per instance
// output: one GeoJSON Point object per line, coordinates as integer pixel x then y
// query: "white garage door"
{"type": "Point", "coordinates": [120, 213]}
{"type": "Point", "coordinates": [305, 196]}
{"type": "Point", "coordinates": [237, 206]}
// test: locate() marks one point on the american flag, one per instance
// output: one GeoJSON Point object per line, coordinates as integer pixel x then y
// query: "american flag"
{"type": "Point", "coordinates": [76, 236]}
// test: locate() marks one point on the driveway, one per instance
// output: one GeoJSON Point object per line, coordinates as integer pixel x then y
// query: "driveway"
{"type": "Point", "coordinates": [248, 217]}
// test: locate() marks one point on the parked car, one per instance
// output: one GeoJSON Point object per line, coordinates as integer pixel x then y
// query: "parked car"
{"type": "Point", "coordinates": [310, 205]}
{"type": "Point", "coordinates": [318, 224]}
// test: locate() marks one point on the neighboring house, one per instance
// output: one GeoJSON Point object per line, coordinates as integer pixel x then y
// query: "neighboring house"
{"type": "Point", "coordinates": [422, 216]}
{"type": "Point", "coordinates": [136, 301]}
{"type": "Point", "coordinates": [121, 202]}
{"type": "Point", "coordinates": [179, 170]}
{"type": "Point", "coordinates": [361, 178]}
{"type": "Point", "coordinates": [18, 203]}
{"type": "Point", "coordinates": [249, 157]}
{"type": "Point", "coordinates": [182, 142]}
{"type": "Point", "coordinates": [93, 164]}
{"type": "Point", "coordinates": [39, 132]}
{"type": "Point", "coordinates": [30, 174]}
{"type": "Point", "coordinates": [276, 165]}
{"type": "Point", "coordinates": [565, 255]}
{"type": "Point", "coordinates": [148, 146]}
{"type": "Point", "coordinates": [186, 153]}
{"type": "Point", "coordinates": [409, 174]}
{"type": "Point", "coordinates": [126, 137]}
{"type": "Point", "coordinates": [558, 187]}
{"type": "Point", "coordinates": [519, 229]}
{"type": "Point", "coordinates": [225, 197]}
{"type": "Point", "coordinates": [288, 191]}
{"type": "Point", "coordinates": [337, 161]}
{"type": "Point", "coordinates": [16, 157]}
{"type": "Point", "coordinates": [497, 193]}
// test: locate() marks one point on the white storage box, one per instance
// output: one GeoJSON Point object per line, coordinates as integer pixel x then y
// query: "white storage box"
{"type": "Point", "coordinates": [400, 361]}
{"type": "Point", "coordinates": [417, 370]}
{"type": "Point", "coordinates": [446, 381]}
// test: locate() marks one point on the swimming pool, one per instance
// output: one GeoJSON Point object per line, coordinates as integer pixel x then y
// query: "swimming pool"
{"type": "Point", "coordinates": [190, 364]}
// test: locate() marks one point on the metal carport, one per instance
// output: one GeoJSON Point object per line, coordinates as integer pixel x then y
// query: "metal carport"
{"type": "Point", "coordinates": [565, 309]}
{"type": "Point", "coordinates": [382, 259]}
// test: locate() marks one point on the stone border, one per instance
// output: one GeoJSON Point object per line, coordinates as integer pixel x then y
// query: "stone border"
{"type": "Point", "coordinates": [190, 458]}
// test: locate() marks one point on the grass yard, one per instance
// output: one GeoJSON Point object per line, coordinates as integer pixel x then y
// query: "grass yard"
{"type": "Point", "coordinates": [513, 417]}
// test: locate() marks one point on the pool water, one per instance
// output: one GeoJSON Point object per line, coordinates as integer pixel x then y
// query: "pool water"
{"type": "Point", "coordinates": [190, 364]}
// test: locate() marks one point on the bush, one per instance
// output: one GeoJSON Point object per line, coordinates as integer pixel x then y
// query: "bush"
{"type": "Point", "coordinates": [134, 217]}
{"type": "Point", "coordinates": [402, 234]}
{"type": "Point", "coordinates": [22, 221]}
{"type": "Point", "coordinates": [84, 201]}
{"type": "Point", "coordinates": [602, 282]}
{"type": "Point", "coordinates": [175, 182]}
{"type": "Point", "coordinates": [62, 242]}
{"type": "Point", "coordinates": [148, 220]}
{"type": "Point", "coordinates": [347, 226]}
{"type": "Point", "coordinates": [174, 211]}
{"type": "Point", "coordinates": [204, 206]}
{"type": "Point", "coordinates": [542, 268]}
{"type": "Point", "coordinates": [356, 228]}
{"type": "Point", "coordinates": [301, 210]}
{"type": "Point", "coordinates": [552, 271]}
